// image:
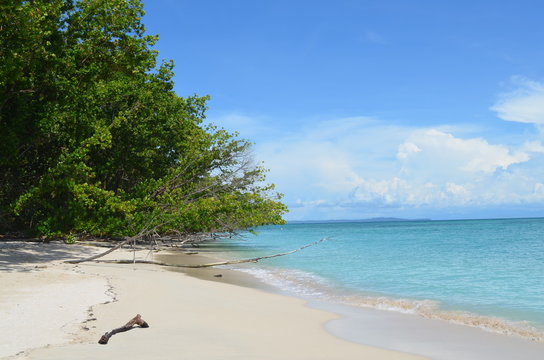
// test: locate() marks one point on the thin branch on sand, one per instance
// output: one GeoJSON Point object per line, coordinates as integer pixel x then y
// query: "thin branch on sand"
{"type": "Point", "coordinates": [122, 243]}
{"type": "Point", "coordinates": [197, 266]}
{"type": "Point", "coordinates": [94, 257]}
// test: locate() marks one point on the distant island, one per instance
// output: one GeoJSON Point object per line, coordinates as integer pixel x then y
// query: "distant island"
{"type": "Point", "coordinates": [376, 219]}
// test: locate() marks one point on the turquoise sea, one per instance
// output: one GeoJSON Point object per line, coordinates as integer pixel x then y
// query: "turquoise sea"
{"type": "Point", "coordinates": [485, 273]}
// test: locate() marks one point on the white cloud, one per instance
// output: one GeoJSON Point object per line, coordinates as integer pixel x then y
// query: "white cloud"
{"type": "Point", "coordinates": [308, 166]}
{"type": "Point", "coordinates": [394, 191]}
{"type": "Point", "coordinates": [363, 167]}
{"type": "Point", "coordinates": [533, 146]}
{"type": "Point", "coordinates": [442, 157]}
{"type": "Point", "coordinates": [539, 189]}
{"type": "Point", "coordinates": [456, 189]}
{"type": "Point", "coordinates": [406, 149]}
{"type": "Point", "coordinates": [525, 104]}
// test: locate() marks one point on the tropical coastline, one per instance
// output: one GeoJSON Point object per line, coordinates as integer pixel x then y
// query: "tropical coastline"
{"type": "Point", "coordinates": [211, 313]}
{"type": "Point", "coordinates": [187, 315]}
{"type": "Point", "coordinates": [480, 273]}
{"type": "Point", "coordinates": [350, 126]}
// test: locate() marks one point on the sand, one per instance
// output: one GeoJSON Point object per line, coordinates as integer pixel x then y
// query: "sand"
{"type": "Point", "coordinates": [53, 310]}
{"type": "Point", "coordinates": [435, 339]}
{"type": "Point", "coordinates": [59, 311]}
{"type": "Point", "coordinates": [43, 301]}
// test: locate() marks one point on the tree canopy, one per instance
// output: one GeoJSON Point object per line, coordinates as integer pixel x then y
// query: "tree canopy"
{"type": "Point", "coordinates": [95, 140]}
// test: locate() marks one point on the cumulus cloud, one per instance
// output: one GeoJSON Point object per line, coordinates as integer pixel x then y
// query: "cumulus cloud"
{"type": "Point", "coordinates": [406, 150]}
{"type": "Point", "coordinates": [308, 166]}
{"type": "Point", "coordinates": [525, 104]}
{"type": "Point", "coordinates": [457, 190]}
{"type": "Point", "coordinates": [394, 191]}
{"type": "Point", "coordinates": [433, 153]}
{"type": "Point", "coordinates": [363, 167]}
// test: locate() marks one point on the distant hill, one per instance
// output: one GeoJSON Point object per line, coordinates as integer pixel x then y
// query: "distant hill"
{"type": "Point", "coordinates": [377, 219]}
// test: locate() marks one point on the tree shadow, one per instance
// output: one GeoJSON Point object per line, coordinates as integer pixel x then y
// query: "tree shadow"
{"type": "Point", "coordinates": [27, 256]}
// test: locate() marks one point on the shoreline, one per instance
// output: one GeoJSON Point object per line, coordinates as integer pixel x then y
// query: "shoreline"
{"type": "Point", "coordinates": [231, 327]}
{"type": "Point", "coordinates": [414, 333]}
{"type": "Point", "coordinates": [432, 338]}
{"type": "Point", "coordinates": [306, 286]}
{"type": "Point", "coordinates": [480, 273]}
{"type": "Point", "coordinates": [201, 319]}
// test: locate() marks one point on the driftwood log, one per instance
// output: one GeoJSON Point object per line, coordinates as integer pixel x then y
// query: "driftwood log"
{"type": "Point", "coordinates": [137, 320]}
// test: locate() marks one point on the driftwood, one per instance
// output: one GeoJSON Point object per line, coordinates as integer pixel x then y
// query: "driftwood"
{"type": "Point", "coordinates": [231, 262]}
{"type": "Point", "coordinates": [137, 320]}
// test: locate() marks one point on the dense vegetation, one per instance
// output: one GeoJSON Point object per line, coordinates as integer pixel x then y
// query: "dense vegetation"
{"type": "Point", "coordinates": [94, 139]}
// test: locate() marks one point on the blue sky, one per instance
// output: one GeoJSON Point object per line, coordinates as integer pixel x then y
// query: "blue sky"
{"type": "Point", "coordinates": [362, 109]}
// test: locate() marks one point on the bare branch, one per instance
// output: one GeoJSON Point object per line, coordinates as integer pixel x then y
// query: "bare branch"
{"type": "Point", "coordinates": [94, 257]}
{"type": "Point", "coordinates": [141, 234]}
{"type": "Point", "coordinates": [198, 266]}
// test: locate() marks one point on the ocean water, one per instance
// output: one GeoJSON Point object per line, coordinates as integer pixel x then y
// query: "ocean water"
{"type": "Point", "coordinates": [484, 273]}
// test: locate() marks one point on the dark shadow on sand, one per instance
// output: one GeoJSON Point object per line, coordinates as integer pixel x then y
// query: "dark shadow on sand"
{"type": "Point", "coordinates": [25, 256]}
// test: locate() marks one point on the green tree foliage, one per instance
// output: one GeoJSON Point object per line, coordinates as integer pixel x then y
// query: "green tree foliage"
{"type": "Point", "coordinates": [94, 139]}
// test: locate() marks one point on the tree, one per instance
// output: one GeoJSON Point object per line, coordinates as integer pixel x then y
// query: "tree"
{"type": "Point", "coordinates": [96, 141]}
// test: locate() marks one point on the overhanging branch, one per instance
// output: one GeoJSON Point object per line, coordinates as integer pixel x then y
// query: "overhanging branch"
{"type": "Point", "coordinates": [198, 266]}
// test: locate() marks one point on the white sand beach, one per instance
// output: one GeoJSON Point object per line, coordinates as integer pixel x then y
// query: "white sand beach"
{"type": "Point", "coordinates": [59, 311]}
{"type": "Point", "coordinates": [53, 310]}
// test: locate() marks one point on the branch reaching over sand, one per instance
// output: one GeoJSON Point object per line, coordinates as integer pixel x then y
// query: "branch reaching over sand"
{"type": "Point", "coordinates": [122, 243]}
{"type": "Point", "coordinates": [231, 262]}
{"type": "Point", "coordinates": [94, 257]}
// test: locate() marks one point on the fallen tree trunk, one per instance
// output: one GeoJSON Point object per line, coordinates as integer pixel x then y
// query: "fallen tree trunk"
{"type": "Point", "coordinates": [137, 320]}
{"type": "Point", "coordinates": [231, 262]}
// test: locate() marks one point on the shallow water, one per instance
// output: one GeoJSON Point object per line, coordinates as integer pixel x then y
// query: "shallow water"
{"type": "Point", "coordinates": [484, 273]}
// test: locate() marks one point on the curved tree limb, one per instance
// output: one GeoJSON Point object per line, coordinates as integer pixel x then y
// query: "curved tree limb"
{"type": "Point", "coordinates": [94, 257]}
{"type": "Point", "coordinates": [137, 320]}
{"type": "Point", "coordinates": [122, 243]}
{"type": "Point", "coordinates": [197, 266]}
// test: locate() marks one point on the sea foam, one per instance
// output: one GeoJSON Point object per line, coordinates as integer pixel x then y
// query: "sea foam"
{"type": "Point", "coordinates": [312, 287]}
